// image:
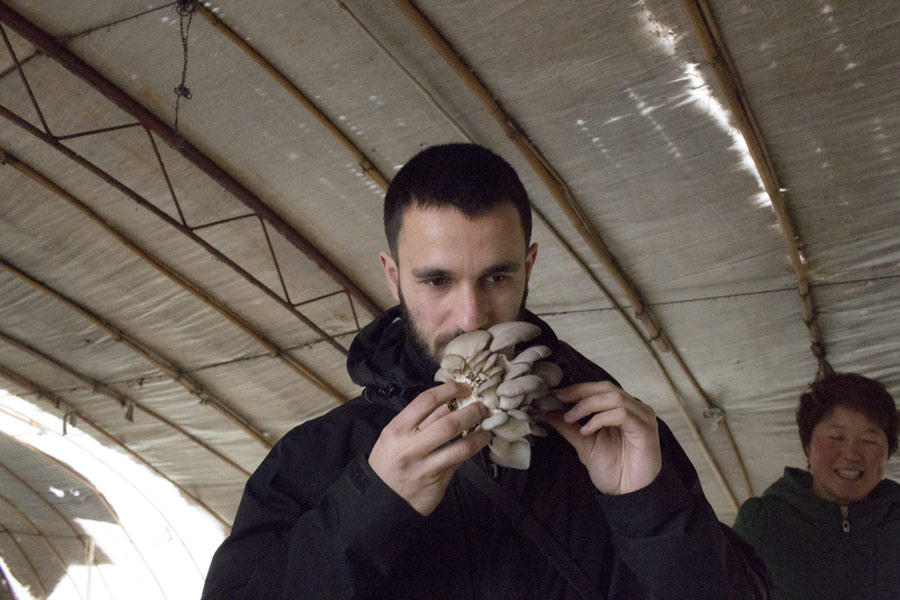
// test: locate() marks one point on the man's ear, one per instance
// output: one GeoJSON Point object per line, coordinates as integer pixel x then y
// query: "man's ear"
{"type": "Point", "coordinates": [391, 273]}
{"type": "Point", "coordinates": [530, 257]}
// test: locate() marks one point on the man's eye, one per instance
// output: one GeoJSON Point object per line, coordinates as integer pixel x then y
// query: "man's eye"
{"type": "Point", "coordinates": [436, 282]}
{"type": "Point", "coordinates": [498, 278]}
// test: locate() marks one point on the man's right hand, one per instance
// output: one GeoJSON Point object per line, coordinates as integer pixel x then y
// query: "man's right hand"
{"type": "Point", "coordinates": [417, 452]}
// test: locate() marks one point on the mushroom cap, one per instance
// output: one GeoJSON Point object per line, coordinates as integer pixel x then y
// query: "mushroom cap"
{"type": "Point", "coordinates": [514, 370]}
{"type": "Point", "coordinates": [453, 362]}
{"type": "Point", "coordinates": [467, 344]}
{"type": "Point", "coordinates": [508, 402]}
{"type": "Point", "coordinates": [532, 396]}
{"type": "Point", "coordinates": [444, 376]}
{"type": "Point", "coordinates": [548, 371]}
{"type": "Point", "coordinates": [490, 399]}
{"type": "Point", "coordinates": [513, 454]}
{"type": "Point", "coordinates": [517, 413]}
{"type": "Point", "coordinates": [531, 354]}
{"type": "Point", "coordinates": [495, 370]}
{"type": "Point", "coordinates": [513, 429]}
{"type": "Point", "coordinates": [495, 420]}
{"type": "Point", "coordinates": [510, 333]}
{"type": "Point", "coordinates": [521, 385]}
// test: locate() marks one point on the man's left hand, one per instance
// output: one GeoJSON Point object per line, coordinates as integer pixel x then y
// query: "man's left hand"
{"type": "Point", "coordinates": [619, 442]}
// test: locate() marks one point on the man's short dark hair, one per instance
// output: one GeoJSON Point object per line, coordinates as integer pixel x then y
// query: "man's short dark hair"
{"type": "Point", "coordinates": [853, 391]}
{"type": "Point", "coordinates": [467, 177]}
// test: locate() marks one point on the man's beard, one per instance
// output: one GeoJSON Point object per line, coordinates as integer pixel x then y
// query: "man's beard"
{"type": "Point", "coordinates": [416, 339]}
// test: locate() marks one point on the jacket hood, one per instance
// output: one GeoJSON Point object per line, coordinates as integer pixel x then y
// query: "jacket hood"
{"type": "Point", "coordinates": [795, 488]}
{"type": "Point", "coordinates": [381, 357]}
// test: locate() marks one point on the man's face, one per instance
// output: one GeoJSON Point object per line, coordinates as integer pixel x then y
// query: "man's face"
{"type": "Point", "coordinates": [454, 274]}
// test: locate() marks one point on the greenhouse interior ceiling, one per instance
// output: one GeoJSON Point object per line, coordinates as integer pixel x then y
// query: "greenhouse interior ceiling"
{"type": "Point", "coordinates": [191, 220]}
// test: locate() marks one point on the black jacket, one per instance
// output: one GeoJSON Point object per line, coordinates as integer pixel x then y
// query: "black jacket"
{"type": "Point", "coordinates": [316, 522]}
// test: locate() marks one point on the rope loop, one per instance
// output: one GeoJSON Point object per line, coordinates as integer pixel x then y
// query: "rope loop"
{"type": "Point", "coordinates": [186, 10]}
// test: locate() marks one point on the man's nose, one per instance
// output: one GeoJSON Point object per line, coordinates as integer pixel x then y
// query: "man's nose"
{"type": "Point", "coordinates": [471, 309]}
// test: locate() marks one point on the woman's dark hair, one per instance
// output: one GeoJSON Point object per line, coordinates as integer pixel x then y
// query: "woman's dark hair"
{"type": "Point", "coordinates": [467, 177]}
{"type": "Point", "coordinates": [854, 391]}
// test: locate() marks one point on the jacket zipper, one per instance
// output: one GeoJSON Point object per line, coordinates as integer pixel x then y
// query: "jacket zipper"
{"type": "Point", "coordinates": [488, 464]}
{"type": "Point", "coordinates": [845, 514]}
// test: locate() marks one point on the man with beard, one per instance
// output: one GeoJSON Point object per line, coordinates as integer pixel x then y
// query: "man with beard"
{"type": "Point", "coordinates": [369, 500]}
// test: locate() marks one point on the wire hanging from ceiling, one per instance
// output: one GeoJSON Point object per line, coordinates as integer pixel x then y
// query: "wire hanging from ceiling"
{"type": "Point", "coordinates": [185, 10]}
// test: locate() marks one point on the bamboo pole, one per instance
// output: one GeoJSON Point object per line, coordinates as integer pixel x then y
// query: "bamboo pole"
{"type": "Point", "coordinates": [552, 180]}
{"type": "Point", "coordinates": [102, 388]}
{"type": "Point", "coordinates": [662, 340]}
{"type": "Point", "coordinates": [172, 370]}
{"type": "Point", "coordinates": [43, 499]}
{"type": "Point", "coordinates": [44, 42]}
{"type": "Point", "coordinates": [112, 513]}
{"type": "Point", "coordinates": [566, 200]}
{"type": "Point", "coordinates": [81, 538]}
{"type": "Point", "coordinates": [195, 289]}
{"type": "Point", "coordinates": [28, 561]}
{"type": "Point", "coordinates": [719, 59]}
{"type": "Point", "coordinates": [69, 410]}
{"type": "Point", "coordinates": [184, 229]}
{"type": "Point", "coordinates": [54, 551]}
{"type": "Point", "coordinates": [653, 353]}
{"type": "Point", "coordinates": [362, 160]}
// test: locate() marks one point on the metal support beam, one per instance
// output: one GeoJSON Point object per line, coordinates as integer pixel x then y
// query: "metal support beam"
{"type": "Point", "coordinates": [47, 44]}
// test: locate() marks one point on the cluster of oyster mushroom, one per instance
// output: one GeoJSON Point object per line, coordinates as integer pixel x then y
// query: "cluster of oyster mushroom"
{"type": "Point", "coordinates": [514, 388]}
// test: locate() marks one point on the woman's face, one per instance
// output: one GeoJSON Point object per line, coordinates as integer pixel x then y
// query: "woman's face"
{"type": "Point", "coordinates": [847, 454]}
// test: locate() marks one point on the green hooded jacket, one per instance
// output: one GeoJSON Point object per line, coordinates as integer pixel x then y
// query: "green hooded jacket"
{"type": "Point", "coordinates": [815, 549]}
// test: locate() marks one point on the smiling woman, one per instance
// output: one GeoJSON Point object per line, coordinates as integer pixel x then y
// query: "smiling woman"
{"type": "Point", "coordinates": [833, 531]}
{"type": "Point", "coordinates": [141, 540]}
